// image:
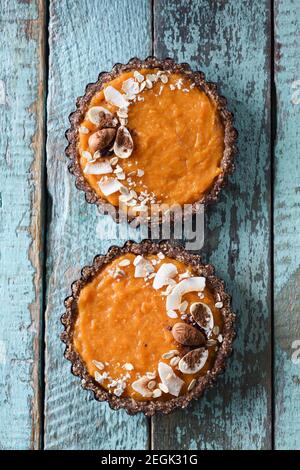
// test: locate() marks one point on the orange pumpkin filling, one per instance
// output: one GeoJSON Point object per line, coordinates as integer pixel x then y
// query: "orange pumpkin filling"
{"type": "Point", "coordinates": [124, 331]}
{"type": "Point", "coordinates": [177, 135]}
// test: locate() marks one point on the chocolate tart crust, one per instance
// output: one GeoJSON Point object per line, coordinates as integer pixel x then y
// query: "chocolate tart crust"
{"type": "Point", "coordinates": [175, 251]}
{"type": "Point", "coordinates": [82, 103]}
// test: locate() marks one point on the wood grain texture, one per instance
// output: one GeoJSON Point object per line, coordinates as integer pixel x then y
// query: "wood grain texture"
{"type": "Point", "coordinates": [21, 147]}
{"type": "Point", "coordinates": [230, 41]}
{"type": "Point", "coordinates": [86, 37]}
{"type": "Point", "coordinates": [287, 226]}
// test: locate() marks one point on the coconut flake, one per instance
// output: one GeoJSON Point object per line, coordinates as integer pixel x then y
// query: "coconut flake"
{"type": "Point", "coordinates": [143, 268]}
{"type": "Point", "coordinates": [165, 272]}
{"type": "Point", "coordinates": [130, 87]}
{"type": "Point", "coordinates": [93, 114]}
{"type": "Point", "coordinates": [138, 259]}
{"type": "Point", "coordinates": [140, 386]}
{"type": "Point", "coordinates": [138, 76]}
{"type": "Point", "coordinates": [100, 377]}
{"type": "Point", "coordinates": [97, 168]}
{"type": "Point", "coordinates": [115, 97]}
{"type": "Point", "coordinates": [109, 186]}
{"type": "Point", "coordinates": [192, 284]}
{"type": "Point", "coordinates": [172, 314]}
{"type": "Point", "coordinates": [170, 379]}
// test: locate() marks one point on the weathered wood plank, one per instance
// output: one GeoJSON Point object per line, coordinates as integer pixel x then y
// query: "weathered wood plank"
{"type": "Point", "coordinates": [230, 42]}
{"type": "Point", "coordinates": [287, 226]}
{"type": "Point", "coordinates": [86, 37]}
{"type": "Point", "coordinates": [21, 146]}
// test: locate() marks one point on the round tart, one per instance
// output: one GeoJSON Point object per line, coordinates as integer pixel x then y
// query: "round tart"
{"type": "Point", "coordinates": [151, 132]}
{"type": "Point", "coordinates": [148, 327]}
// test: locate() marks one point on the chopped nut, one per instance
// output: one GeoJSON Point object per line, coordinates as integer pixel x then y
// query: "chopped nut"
{"type": "Point", "coordinates": [151, 384]}
{"type": "Point", "coordinates": [191, 385]}
{"type": "Point", "coordinates": [219, 304]}
{"type": "Point", "coordinates": [138, 76]}
{"type": "Point", "coordinates": [164, 78]}
{"type": "Point", "coordinates": [183, 306]}
{"type": "Point", "coordinates": [98, 364]}
{"type": "Point", "coordinates": [128, 366]}
{"type": "Point", "coordinates": [113, 160]}
{"type": "Point", "coordinates": [140, 386]}
{"type": "Point", "coordinates": [100, 377]}
{"type": "Point", "coordinates": [87, 155]}
{"type": "Point", "coordinates": [174, 361]}
{"type": "Point", "coordinates": [148, 84]}
{"type": "Point", "coordinates": [151, 375]}
{"type": "Point", "coordinates": [216, 330]}
{"type": "Point", "coordinates": [84, 130]}
{"type": "Point", "coordinates": [170, 354]}
{"type": "Point", "coordinates": [118, 391]}
{"type": "Point", "coordinates": [156, 393]}
{"type": "Point", "coordinates": [124, 262]}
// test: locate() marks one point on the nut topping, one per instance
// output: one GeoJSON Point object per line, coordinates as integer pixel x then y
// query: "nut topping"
{"type": "Point", "coordinates": [106, 121]}
{"type": "Point", "coordinates": [192, 284]}
{"type": "Point", "coordinates": [187, 335]}
{"type": "Point", "coordinates": [141, 386]}
{"type": "Point", "coordinates": [97, 113]}
{"type": "Point", "coordinates": [193, 361]}
{"type": "Point", "coordinates": [169, 379]}
{"type": "Point", "coordinates": [202, 315]}
{"type": "Point", "coordinates": [123, 145]}
{"type": "Point", "coordinates": [101, 139]}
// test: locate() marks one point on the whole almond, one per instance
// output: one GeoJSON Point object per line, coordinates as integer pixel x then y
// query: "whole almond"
{"type": "Point", "coordinates": [101, 139]}
{"type": "Point", "coordinates": [187, 335]}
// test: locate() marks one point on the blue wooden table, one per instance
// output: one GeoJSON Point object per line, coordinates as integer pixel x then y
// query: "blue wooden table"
{"type": "Point", "coordinates": [50, 51]}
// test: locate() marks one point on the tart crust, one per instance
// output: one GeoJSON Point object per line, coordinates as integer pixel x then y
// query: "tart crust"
{"type": "Point", "coordinates": [175, 251]}
{"type": "Point", "coordinates": [82, 103]}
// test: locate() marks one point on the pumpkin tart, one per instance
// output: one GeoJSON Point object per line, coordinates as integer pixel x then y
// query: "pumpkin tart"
{"type": "Point", "coordinates": [148, 327]}
{"type": "Point", "coordinates": [151, 132]}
